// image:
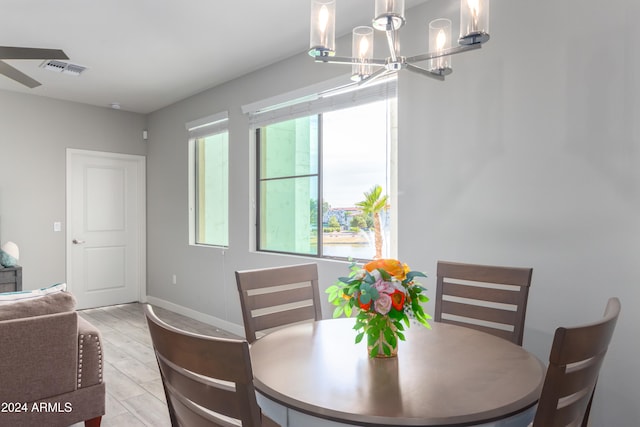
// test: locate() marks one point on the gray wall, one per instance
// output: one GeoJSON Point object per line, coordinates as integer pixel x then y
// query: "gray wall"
{"type": "Point", "coordinates": [34, 135]}
{"type": "Point", "coordinates": [527, 155]}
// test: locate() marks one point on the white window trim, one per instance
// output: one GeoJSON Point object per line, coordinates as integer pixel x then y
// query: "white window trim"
{"type": "Point", "coordinates": [334, 88]}
{"type": "Point", "coordinates": [201, 128]}
{"type": "Point", "coordinates": [207, 126]}
{"type": "Point", "coordinates": [328, 96]}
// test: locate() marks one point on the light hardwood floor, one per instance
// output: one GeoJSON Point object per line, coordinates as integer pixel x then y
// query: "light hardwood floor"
{"type": "Point", "coordinates": [135, 397]}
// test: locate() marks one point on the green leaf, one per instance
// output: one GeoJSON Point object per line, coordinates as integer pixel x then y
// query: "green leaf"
{"type": "Point", "coordinates": [389, 336]}
{"type": "Point", "coordinates": [374, 351]}
{"type": "Point", "coordinates": [369, 279]}
{"type": "Point", "coordinates": [368, 293]}
{"type": "Point", "coordinates": [372, 339]}
{"type": "Point", "coordinates": [385, 276]}
{"type": "Point", "coordinates": [347, 310]}
{"type": "Point", "coordinates": [412, 274]}
{"type": "Point", "coordinates": [395, 314]}
{"type": "Point", "coordinates": [406, 321]}
{"type": "Point", "coordinates": [359, 337]}
{"type": "Point", "coordinates": [416, 289]}
{"type": "Point", "coordinates": [338, 312]}
{"type": "Point", "coordinates": [331, 289]}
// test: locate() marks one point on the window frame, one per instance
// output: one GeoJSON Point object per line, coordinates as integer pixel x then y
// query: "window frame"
{"type": "Point", "coordinates": [392, 136]}
{"type": "Point", "coordinates": [258, 193]}
{"type": "Point", "coordinates": [200, 129]}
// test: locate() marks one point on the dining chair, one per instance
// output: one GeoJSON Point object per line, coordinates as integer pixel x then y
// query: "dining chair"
{"type": "Point", "coordinates": [208, 381]}
{"type": "Point", "coordinates": [574, 363]}
{"type": "Point", "coordinates": [488, 298]}
{"type": "Point", "coordinates": [278, 296]}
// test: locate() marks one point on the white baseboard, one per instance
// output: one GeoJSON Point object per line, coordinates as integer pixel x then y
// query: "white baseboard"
{"type": "Point", "coordinates": [205, 318]}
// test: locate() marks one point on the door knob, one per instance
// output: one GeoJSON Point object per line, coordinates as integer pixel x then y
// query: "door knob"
{"type": "Point", "coordinates": [78, 242]}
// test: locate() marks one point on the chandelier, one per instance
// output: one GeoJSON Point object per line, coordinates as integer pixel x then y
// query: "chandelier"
{"type": "Point", "coordinates": [389, 17]}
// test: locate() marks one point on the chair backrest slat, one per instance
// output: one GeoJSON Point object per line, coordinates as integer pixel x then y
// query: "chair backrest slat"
{"type": "Point", "coordinates": [278, 296]}
{"type": "Point", "coordinates": [486, 273]}
{"type": "Point", "coordinates": [199, 372]}
{"type": "Point", "coordinates": [279, 318]}
{"type": "Point", "coordinates": [575, 360]}
{"type": "Point", "coordinates": [502, 333]}
{"type": "Point", "coordinates": [274, 276]}
{"type": "Point", "coordinates": [503, 296]}
{"type": "Point", "coordinates": [487, 314]}
{"type": "Point", "coordinates": [484, 297]}
{"type": "Point", "coordinates": [195, 390]}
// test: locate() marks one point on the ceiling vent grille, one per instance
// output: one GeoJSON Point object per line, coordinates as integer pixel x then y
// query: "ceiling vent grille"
{"type": "Point", "coordinates": [63, 67]}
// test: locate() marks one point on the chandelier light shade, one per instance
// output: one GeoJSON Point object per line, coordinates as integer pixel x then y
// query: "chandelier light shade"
{"type": "Point", "coordinates": [323, 28]}
{"type": "Point", "coordinates": [362, 50]}
{"type": "Point", "coordinates": [474, 21]}
{"type": "Point", "coordinates": [389, 17]}
{"type": "Point", "coordinates": [439, 41]}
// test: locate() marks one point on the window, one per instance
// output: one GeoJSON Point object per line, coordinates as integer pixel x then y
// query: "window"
{"type": "Point", "coordinates": [288, 189]}
{"type": "Point", "coordinates": [314, 170]}
{"type": "Point", "coordinates": [209, 184]}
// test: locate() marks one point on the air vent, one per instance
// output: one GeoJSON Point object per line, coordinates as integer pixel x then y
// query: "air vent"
{"type": "Point", "coordinates": [63, 67]}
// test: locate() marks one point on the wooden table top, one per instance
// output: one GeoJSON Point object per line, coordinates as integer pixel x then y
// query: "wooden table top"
{"type": "Point", "coordinates": [445, 376]}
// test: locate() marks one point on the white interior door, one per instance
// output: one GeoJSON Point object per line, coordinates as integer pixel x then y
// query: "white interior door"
{"type": "Point", "coordinates": [105, 227]}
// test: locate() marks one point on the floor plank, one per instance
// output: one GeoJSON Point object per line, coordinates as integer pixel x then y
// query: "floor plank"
{"type": "Point", "coordinates": [135, 396]}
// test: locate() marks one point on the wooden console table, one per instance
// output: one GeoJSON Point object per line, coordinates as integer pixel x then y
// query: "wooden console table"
{"type": "Point", "coordinates": [11, 279]}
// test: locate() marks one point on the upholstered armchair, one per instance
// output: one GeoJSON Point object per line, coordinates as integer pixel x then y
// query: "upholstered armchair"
{"type": "Point", "coordinates": [50, 364]}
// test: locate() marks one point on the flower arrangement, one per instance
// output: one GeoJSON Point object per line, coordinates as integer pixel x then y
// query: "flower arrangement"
{"type": "Point", "coordinates": [385, 295]}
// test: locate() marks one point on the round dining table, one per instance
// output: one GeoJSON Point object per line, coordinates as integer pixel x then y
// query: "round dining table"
{"type": "Point", "coordinates": [444, 376]}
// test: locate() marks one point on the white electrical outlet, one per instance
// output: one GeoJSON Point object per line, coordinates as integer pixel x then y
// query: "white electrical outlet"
{"type": "Point", "coordinates": [174, 280]}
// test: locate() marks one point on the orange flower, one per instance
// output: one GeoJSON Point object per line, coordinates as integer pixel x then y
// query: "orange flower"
{"type": "Point", "coordinates": [397, 300]}
{"type": "Point", "coordinates": [392, 266]}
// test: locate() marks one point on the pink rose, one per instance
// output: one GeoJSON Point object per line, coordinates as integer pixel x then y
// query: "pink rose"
{"type": "Point", "coordinates": [384, 287]}
{"type": "Point", "coordinates": [383, 304]}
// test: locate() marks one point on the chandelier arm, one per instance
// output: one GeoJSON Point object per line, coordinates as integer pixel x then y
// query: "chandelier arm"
{"type": "Point", "coordinates": [348, 60]}
{"type": "Point", "coordinates": [372, 77]}
{"type": "Point", "coordinates": [444, 52]}
{"type": "Point", "coordinates": [424, 72]}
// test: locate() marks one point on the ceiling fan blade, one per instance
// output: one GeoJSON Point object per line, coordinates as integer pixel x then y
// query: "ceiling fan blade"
{"type": "Point", "coordinates": [17, 75]}
{"type": "Point", "coordinates": [10, 52]}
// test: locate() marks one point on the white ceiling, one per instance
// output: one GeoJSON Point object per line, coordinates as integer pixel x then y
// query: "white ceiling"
{"type": "Point", "coordinates": [147, 54]}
